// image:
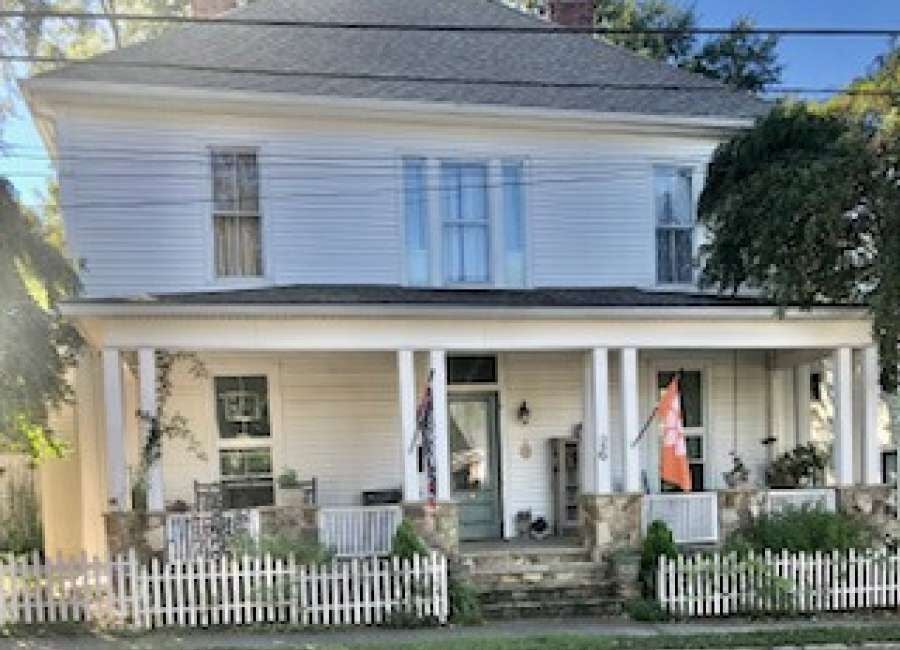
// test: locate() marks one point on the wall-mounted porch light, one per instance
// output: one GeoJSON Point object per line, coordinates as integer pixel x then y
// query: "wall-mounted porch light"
{"type": "Point", "coordinates": [524, 413]}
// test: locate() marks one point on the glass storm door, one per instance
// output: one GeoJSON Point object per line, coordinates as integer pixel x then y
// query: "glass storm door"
{"type": "Point", "coordinates": [474, 463]}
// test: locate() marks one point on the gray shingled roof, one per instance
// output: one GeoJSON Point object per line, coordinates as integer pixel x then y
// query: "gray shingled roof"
{"type": "Point", "coordinates": [456, 55]}
{"type": "Point", "coordinates": [563, 297]}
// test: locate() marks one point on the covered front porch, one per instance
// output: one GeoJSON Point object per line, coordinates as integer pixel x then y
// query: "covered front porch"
{"type": "Point", "coordinates": [537, 417]}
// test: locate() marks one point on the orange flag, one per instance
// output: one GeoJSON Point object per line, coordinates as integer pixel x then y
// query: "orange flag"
{"type": "Point", "coordinates": [673, 462]}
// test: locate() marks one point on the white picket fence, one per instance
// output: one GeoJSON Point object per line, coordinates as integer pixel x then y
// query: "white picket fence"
{"type": "Point", "coordinates": [192, 534]}
{"type": "Point", "coordinates": [222, 591]}
{"type": "Point", "coordinates": [724, 584]}
{"type": "Point", "coordinates": [359, 531]}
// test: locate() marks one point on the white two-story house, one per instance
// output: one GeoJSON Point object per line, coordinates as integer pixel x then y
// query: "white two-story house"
{"type": "Point", "coordinates": [328, 217]}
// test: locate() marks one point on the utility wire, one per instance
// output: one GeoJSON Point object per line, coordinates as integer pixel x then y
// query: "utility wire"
{"type": "Point", "coordinates": [394, 189]}
{"type": "Point", "coordinates": [469, 28]}
{"type": "Point", "coordinates": [464, 81]}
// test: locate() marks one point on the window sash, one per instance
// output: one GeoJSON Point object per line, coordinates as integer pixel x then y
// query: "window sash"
{"type": "Point", "coordinates": [416, 229]}
{"type": "Point", "coordinates": [675, 224]}
{"type": "Point", "coordinates": [232, 387]}
{"type": "Point", "coordinates": [466, 222]}
{"type": "Point", "coordinates": [514, 223]}
{"type": "Point", "coordinates": [237, 224]}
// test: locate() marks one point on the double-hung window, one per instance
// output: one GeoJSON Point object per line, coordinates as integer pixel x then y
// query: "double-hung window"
{"type": "Point", "coordinates": [245, 441]}
{"type": "Point", "coordinates": [465, 222]}
{"type": "Point", "coordinates": [691, 386]}
{"type": "Point", "coordinates": [415, 209]}
{"type": "Point", "coordinates": [675, 225]}
{"type": "Point", "coordinates": [236, 216]}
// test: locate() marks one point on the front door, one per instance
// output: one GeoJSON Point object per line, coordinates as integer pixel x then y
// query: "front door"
{"type": "Point", "coordinates": [475, 463]}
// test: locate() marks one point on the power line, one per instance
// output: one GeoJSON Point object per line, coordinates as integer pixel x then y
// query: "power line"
{"type": "Point", "coordinates": [395, 189]}
{"type": "Point", "coordinates": [468, 28]}
{"type": "Point", "coordinates": [465, 81]}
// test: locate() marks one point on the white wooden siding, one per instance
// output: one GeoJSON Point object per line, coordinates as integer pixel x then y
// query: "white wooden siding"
{"type": "Point", "coordinates": [141, 221]}
{"type": "Point", "coordinates": [334, 416]}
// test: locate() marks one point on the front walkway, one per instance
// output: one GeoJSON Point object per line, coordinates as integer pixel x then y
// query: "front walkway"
{"type": "Point", "coordinates": [247, 639]}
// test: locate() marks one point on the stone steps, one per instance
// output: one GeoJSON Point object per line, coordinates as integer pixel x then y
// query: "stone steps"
{"type": "Point", "coordinates": [545, 580]}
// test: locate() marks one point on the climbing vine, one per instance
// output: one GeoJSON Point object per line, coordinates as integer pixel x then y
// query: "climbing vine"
{"type": "Point", "coordinates": [167, 424]}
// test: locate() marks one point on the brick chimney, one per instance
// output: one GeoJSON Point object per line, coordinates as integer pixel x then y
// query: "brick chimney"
{"type": "Point", "coordinates": [572, 13]}
{"type": "Point", "coordinates": [211, 8]}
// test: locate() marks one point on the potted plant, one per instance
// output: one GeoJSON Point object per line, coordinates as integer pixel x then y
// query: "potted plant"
{"type": "Point", "coordinates": [291, 490]}
{"type": "Point", "coordinates": [739, 473]}
{"type": "Point", "coordinates": [803, 466]}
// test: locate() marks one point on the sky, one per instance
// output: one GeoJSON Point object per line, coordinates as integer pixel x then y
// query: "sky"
{"type": "Point", "coordinates": [808, 61]}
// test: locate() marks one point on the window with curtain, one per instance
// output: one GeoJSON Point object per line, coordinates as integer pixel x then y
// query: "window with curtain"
{"type": "Point", "coordinates": [514, 223]}
{"type": "Point", "coordinates": [465, 219]}
{"type": "Point", "coordinates": [674, 206]}
{"type": "Point", "coordinates": [236, 218]}
{"type": "Point", "coordinates": [415, 207]}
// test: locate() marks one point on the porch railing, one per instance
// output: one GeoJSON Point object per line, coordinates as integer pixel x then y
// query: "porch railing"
{"type": "Point", "coordinates": [360, 530]}
{"type": "Point", "coordinates": [692, 518]}
{"type": "Point", "coordinates": [191, 535]}
{"type": "Point", "coordinates": [778, 500]}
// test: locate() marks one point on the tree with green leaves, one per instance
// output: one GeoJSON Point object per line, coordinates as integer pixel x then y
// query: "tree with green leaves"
{"type": "Point", "coordinates": [37, 348]}
{"type": "Point", "coordinates": [674, 46]}
{"type": "Point", "coordinates": [805, 207]}
{"type": "Point", "coordinates": [739, 58]}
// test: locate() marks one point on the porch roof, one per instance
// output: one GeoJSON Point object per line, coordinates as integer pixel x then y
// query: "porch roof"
{"type": "Point", "coordinates": [377, 317]}
{"type": "Point", "coordinates": [374, 294]}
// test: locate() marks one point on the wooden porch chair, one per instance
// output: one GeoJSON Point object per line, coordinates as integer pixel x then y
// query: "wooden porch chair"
{"type": "Point", "coordinates": [309, 489]}
{"type": "Point", "coordinates": [208, 497]}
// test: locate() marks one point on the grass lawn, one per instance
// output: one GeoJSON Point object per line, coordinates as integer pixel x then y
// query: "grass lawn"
{"type": "Point", "coordinates": [808, 636]}
{"type": "Point", "coordinates": [251, 639]}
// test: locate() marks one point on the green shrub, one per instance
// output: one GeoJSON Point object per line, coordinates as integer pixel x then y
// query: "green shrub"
{"type": "Point", "coordinates": [465, 608]}
{"type": "Point", "coordinates": [807, 529]}
{"type": "Point", "coordinates": [646, 610]}
{"type": "Point", "coordinates": [407, 542]}
{"type": "Point", "coordinates": [658, 541]}
{"type": "Point", "coordinates": [281, 545]}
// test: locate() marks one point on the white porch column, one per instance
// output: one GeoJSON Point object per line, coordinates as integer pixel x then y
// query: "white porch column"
{"type": "Point", "coordinates": [843, 415]}
{"type": "Point", "coordinates": [802, 375]}
{"type": "Point", "coordinates": [438, 363]}
{"type": "Point", "coordinates": [113, 402]}
{"type": "Point", "coordinates": [407, 378]}
{"type": "Point", "coordinates": [871, 391]}
{"type": "Point", "coordinates": [630, 418]}
{"type": "Point", "coordinates": [148, 407]}
{"type": "Point", "coordinates": [597, 447]}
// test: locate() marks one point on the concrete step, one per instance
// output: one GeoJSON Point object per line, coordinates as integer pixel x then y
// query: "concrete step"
{"type": "Point", "coordinates": [563, 607]}
{"type": "Point", "coordinates": [509, 558]}
{"type": "Point", "coordinates": [547, 594]}
{"type": "Point", "coordinates": [512, 580]}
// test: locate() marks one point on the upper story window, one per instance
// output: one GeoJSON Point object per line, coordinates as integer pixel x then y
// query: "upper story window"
{"type": "Point", "coordinates": [464, 222]}
{"type": "Point", "coordinates": [415, 208]}
{"type": "Point", "coordinates": [675, 224]}
{"type": "Point", "coordinates": [514, 223]}
{"type": "Point", "coordinates": [466, 226]}
{"type": "Point", "coordinates": [236, 218]}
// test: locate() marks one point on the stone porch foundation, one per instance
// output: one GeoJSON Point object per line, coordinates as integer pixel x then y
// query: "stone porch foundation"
{"type": "Point", "coordinates": [610, 523]}
{"type": "Point", "coordinates": [438, 525]}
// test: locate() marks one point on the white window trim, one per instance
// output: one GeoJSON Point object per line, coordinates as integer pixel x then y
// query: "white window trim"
{"type": "Point", "coordinates": [275, 440]}
{"type": "Point", "coordinates": [698, 179]}
{"type": "Point", "coordinates": [266, 265]}
{"type": "Point", "coordinates": [435, 224]}
{"type": "Point", "coordinates": [674, 364]}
